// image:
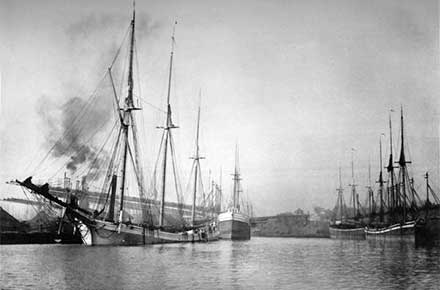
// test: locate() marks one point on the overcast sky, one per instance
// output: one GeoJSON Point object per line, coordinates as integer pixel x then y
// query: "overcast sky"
{"type": "Point", "coordinates": [296, 83]}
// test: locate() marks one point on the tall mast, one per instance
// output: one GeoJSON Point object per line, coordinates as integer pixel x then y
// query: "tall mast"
{"type": "Point", "coordinates": [353, 186]}
{"type": "Point", "coordinates": [127, 115]}
{"type": "Point", "coordinates": [402, 163]}
{"type": "Point", "coordinates": [236, 178]}
{"type": "Point", "coordinates": [196, 168]}
{"type": "Point", "coordinates": [168, 126]}
{"type": "Point", "coordinates": [390, 169]}
{"type": "Point", "coordinates": [340, 191]}
{"type": "Point", "coordinates": [380, 180]}
{"type": "Point", "coordinates": [427, 188]}
{"type": "Point", "coordinates": [370, 191]}
{"type": "Point", "coordinates": [220, 187]}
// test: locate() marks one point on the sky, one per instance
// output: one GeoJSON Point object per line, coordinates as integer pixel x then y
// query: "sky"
{"type": "Point", "coordinates": [297, 84]}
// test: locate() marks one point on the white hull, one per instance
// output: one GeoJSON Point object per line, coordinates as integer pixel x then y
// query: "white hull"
{"type": "Point", "coordinates": [234, 226]}
{"type": "Point", "coordinates": [108, 233]}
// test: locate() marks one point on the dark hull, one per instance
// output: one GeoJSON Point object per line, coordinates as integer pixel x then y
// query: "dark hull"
{"type": "Point", "coordinates": [38, 238]}
{"type": "Point", "coordinates": [8, 238]}
{"type": "Point", "coordinates": [397, 231]}
{"type": "Point", "coordinates": [427, 232]}
{"type": "Point", "coordinates": [49, 233]}
{"type": "Point", "coordinates": [234, 230]}
{"type": "Point", "coordinates": [342, 232]}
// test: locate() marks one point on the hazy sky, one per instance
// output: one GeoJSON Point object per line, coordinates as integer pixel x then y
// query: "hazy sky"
{"type": "Point", "coordinates": [297, 83]}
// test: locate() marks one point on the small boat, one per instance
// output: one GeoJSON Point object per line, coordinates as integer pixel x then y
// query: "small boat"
{"type": "Point", "coordinates": [234, 224]}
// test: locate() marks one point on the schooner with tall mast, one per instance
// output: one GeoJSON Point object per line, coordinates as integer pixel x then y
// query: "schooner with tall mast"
{"type": "Point", "coordinates": [111, 223]}
{"type": "Point", "coordinates": [343, 227]}
{"type": "Point", "coordinates": [402, 209]}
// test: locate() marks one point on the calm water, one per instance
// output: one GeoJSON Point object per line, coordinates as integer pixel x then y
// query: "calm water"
{"type": "Point", "coordinates": [262, 263]}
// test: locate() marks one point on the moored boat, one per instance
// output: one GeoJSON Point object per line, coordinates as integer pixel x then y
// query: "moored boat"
{"type": "Point", "coordinates": [342, 227]}
{"type": "Point", "coordinates": [111, 222]}
{"type": "Point", "coordinates": [401, 231]}
{"type": "Point", "coordinates": [402, 199]}
{"type": "Point", "coordinates": [347, 231]}
{"type": "Point", "coordinates": [234, 224]}
{"type": "Point", "coordinates": [427, 227]}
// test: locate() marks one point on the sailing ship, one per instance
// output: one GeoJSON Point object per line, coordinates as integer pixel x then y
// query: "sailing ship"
{"type": "Point", "coordinates": [111, 223]}
{"type": "Point", "coordinates": [427, 228]}
{"type": "Point", "coordinates": [234, 224]}
{"type": "Point", "coordinates": [402, 199]}
{"type": "Point", "coordinates": [342, 227]}
{"type": "Point", "coordinates": [208, 205]}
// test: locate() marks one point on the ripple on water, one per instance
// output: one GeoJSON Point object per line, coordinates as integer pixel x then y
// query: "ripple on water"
{"type": "Point", "coordinates": [262, 263]}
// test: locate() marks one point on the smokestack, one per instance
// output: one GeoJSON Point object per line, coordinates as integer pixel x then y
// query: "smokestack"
{"type": "Point", "coordinates": [84, 183]}
{"type": "Point", "coordinates": [66, 181]}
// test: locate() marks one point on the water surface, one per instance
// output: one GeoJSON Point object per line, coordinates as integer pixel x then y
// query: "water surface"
{"type": "Point", "coordinates": [261, 263]}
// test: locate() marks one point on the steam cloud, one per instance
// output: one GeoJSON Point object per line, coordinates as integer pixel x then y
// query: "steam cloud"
{"type": "Point", "coordinates": [69, 127]}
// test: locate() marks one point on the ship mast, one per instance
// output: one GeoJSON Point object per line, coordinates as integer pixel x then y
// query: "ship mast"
{"type": "Point", "coordinates": [354, 197]}
{"type": "Point", "coordinates": [220, 193]}
{"type": "Point", "coordinates": [390, 169]}
{"type": "Point", "coordinates": [380, 181]}
{"type": "Point", "coordinates": [371, 203]}
{"type": "Point", "coordinates": [197, 170]}
{"type": "Point", "coordinates": [167, 131]}
{"type": "Point", "coordinates": [427, 188]}
{"type": "Point", "coordinates": [127, 116]}
{"type": "Point", "coordinates": [236, 178]}
{"type": "Point", "coordinates": [402, 163]}
{"type": "Point", "coordinates": [340, 191]}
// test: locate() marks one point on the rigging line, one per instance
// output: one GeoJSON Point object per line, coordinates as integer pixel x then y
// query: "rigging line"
{"type": "Point", "coordinates": [158, 157]}
{"type": "Point", "coordinates": [137, 69]}
{"type": "Point", "coordinates": [176, 175]}
{"type": "Point", "coordinates": [100, 150]}
{"type": "Point", "coordinates": [200, 179]}
{"type": "Point", "coordinates": [138, 96]}
{"type": "Point", "coordinates": [41, 147]}
{"type": "Point", "coordinates": [79, 173]}
{"type": "Point", "coordinates": [111, 168]}
{"type": "Point", "coordinates": [151, 105]}
{"type": "Point", "coordinates": [82, 147]}
{"type": "Point", "coordinates": [115, 102]}
{"type": "Point", "coordinates": [188, 185]}
{"type": "Point", "coordinates": [91, 98]}
{"type": "Point", "coordinates": [137, 147]}
{"type": "Point", "coordinates": [79, 117]}
{"type": "Point", "coordinates": [124, 71]}
{"type": "Point", "coordinates": [142, 197]}
{"type": "Point", "coordinates": [119, 49]}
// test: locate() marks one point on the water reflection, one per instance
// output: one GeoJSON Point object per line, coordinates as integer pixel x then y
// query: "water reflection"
{"type": "Point", "coordinates": [257, 264]}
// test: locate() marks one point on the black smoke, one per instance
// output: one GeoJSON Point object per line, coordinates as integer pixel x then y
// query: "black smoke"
{"type": "Point", "coordinates": [72, 127]}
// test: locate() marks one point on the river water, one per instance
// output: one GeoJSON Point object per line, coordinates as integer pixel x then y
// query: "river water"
{"type": "Point", "coordinates": [261, 263]}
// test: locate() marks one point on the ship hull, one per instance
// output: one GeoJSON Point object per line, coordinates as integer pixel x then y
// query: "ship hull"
{"type": "Point", "coordinates": [104, 233]}
{"type": "Point", "coordinates": [427, 228]}
{"type": "Point", "coordinates": [397, 231]}
{"type": "Point", "coordinates": [428, 232]}
{"type": "Point", "coordinates": [347, 233]}
{"type": "Point", "coordinates": [234, 226]}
